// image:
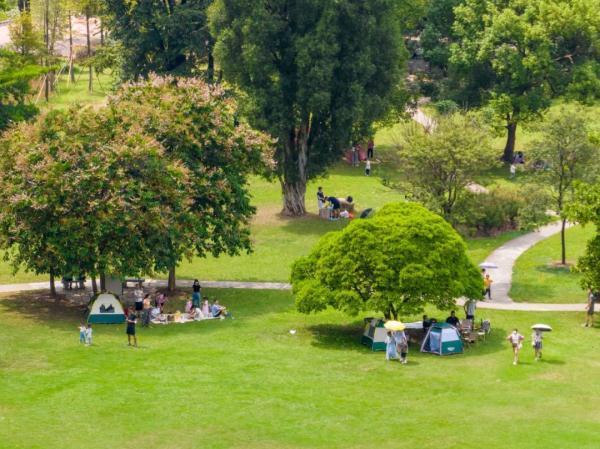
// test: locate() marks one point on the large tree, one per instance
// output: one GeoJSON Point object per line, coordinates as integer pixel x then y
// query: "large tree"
{"type": "Point", "coordinates": [316, 73]}
{"type": "Point", "coordinates": [162, 36]}
{"type": "Point", "coordinates": [517, 55]}
{"type": "Point", "coordinates": [157, 175]}
{"type": "Point", "coordinates": [437, 165]}
{"type": "Point", "coordinates": [396, 262]}
{"type": "Point", "coordinates": [569, 154]}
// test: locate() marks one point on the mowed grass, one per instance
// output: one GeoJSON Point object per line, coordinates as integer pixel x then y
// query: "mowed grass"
{"type": "Point", "coordinates": [249, 383]}
{"type": "Point", "coordinates": [536, 278]}
{"type": "Point", "coordinates": [68, 94]}
{"type": "Point", "coordinates": [278, 240]}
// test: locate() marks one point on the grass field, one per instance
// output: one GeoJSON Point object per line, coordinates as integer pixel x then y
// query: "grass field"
{"type": "Point", "coordinates": [67, 94]}
{"type": "Point", "coordinates": [537, 279]}
{"type": "Point", "coordinates": [248, 383]}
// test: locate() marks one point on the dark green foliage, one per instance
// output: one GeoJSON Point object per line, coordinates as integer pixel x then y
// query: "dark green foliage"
{"type": "Point", "coordinates": [164, 37]}
{"type": "Point", "coordinates": [16, 73]}
{"type": "Point", "coordinates": [397, 262]}
{"type": "Point", "coordinates": [317, 74]}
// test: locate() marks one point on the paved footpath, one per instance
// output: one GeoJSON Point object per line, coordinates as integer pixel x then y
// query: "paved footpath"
{"type": "Point", "coordinates": [506, 255]}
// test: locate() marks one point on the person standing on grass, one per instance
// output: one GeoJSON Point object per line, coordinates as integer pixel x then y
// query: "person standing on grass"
{"type": "Point", "coordinates": [401, 346]}
{"type": "Point", "coordinates": [82, 329]}
{"type": "Point", "coordinates": [131, 321]}
{"type": "Point", "coordinates": [320, 198]}
{"type": "Point", "coordinates": [146, 311]}
{"type": "Point", "coordinates": [88, 335]}
{"type": "Point", "coordinates": [513, 170]}
{"type": "Point", "coordinates": [197, 293]}
{"type": "Point", "coordinates": [487, 286]}
{"type": "Point", "coordinates": [390, 347]}
{"type": "Point", "coordinates": [589, 309]}
{"type": "Point", "coordinates": [368, 168]}
{"type": "Point", "coordinates": [516, 340]}
{"type": "Point", "coordinates": [536, 342]}
{"type": "Point", "coordinates": [470, 307]}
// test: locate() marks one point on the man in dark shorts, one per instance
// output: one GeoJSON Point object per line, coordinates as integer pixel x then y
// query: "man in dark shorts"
{"type": "Point", "coordinates": [131, 320]}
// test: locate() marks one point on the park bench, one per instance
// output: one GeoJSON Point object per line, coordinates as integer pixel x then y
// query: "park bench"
{"type": "Point", "coordinates": [138, 281]}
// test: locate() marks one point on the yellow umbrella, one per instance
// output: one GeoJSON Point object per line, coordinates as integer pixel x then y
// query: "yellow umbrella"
{"type": "Point", "coordinates": [394, 326]}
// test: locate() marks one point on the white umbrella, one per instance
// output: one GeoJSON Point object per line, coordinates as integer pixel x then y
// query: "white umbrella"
{"type": "Point", "coordinates": [542, 327]}
{"type": "Point", "coordinates": [488, 265]}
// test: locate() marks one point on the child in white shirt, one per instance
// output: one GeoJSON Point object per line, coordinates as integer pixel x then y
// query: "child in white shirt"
{"type": "Point", "coordinates": [82, 330]}
{"type": "Point", "coordinates": [88, 335]}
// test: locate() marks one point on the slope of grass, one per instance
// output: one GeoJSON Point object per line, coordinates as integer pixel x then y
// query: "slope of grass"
{"type": "Point", "coordinates": [536, 278]}
{"type": "Point", "coordinates": [67, 94]}
{"type": "Point", "coordinates": [249, 383]}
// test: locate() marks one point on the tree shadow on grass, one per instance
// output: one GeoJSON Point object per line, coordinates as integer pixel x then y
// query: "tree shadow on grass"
{"type": "Point", "coordinates": [347, 337]}
{"type": "Point", "coordinates": [41, 307]}
{"type": "Point", "coordinates": [312, 224]}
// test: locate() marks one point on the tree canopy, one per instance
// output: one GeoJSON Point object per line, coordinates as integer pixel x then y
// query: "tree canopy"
{"type": "Point", "coordinates": [396, 262]}
{"type": "Point", "coordinates": [157, 175]}
{"type": "Point", "coordinates": [568, 154]}
{"type": "Point", "coordinates": [164, 37]}
{"type": "Point", "coordinates": [438, 165]}
{"type": "Point", "coordinates": [316, 74]}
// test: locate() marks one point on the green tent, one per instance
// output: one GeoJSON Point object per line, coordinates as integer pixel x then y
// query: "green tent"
{"type": "Point", "coordinates": [106, 309]}
{"type": "Point", "coordinates": [442, 339]}
{"type": "Point", "coordinates": [374, 335]}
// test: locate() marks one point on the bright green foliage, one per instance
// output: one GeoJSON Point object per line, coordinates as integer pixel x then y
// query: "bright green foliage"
{"type": "Point", "coordinates": [16, 73]}
{"type": "Point", "coordinates": [161, 36]}
{"type": "Point", "coordinates": [438, 165]}
{"type": "Point", "coordinates": [569, 155]}
{"type": "Point", "coordinates": [437, 33]}
{"type": "Point", "coordinates": [518, 54]}
{"type": "Point", "coordinates": [397, 262]}
{"type": "Point", "coordinates": [156, 176]}
{"type": "Point", "coordinates": [585, 208]}
{"type": "Point", "coordinates": [317, 74]}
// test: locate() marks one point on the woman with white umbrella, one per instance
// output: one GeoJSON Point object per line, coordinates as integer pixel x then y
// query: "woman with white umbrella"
{"type": "Point", "coordinates": [537, 338]}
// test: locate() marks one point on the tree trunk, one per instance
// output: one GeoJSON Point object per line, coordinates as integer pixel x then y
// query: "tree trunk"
{"type": "Point", "coordinates": [295, 177]}
{"type": "Point", "coordinates": [509, 149]}
{"type": "Point", "coordinates": [563, 246]}
{"type": "Point", "coordinates": [71, 73]}
{"type": "Point", "coordinates": [210, 71]}
{"type": "Point", "coordinates": [52, 283]}
{"type": "Point", "coordinates": [102, 282]}
{"type": "Point", "coordinates": [24, 6]}
{"type": "Point", "coordinates": [89, 47]}
{"type": "Point", "coordinates": [101, 32]}
{"type": "Point", "coordinates": [94, 285]}
{"type": "Point", "coordinates": [47, 45]}
{"type": "Point", "coordinates": [172, 280]}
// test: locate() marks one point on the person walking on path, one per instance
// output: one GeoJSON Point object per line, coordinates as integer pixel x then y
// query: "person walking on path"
{"type": "Point", "coordinates": [390, 347]}
{"type": "Point", "coordinates": [487, 286]}
{"type": "Point", "coordinates": [516, 340]}
{"type": "Point", "coordinates": [401, 346]}
{"type": "Point", "coordinates": [197, 294]}
{"type": "Point", "coordinates": [131, 321]}
{"type": "Point", "coordinates": [589, 309]}
{"type": "Point", "coordinates": [536, 342]}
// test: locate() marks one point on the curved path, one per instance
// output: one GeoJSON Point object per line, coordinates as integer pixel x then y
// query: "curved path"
{"type": "Point", "coordinates": [506, 255]}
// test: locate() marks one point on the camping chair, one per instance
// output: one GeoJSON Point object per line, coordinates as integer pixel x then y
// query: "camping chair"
{"type": "Point", "coordinates": [465, 326]}
{"type": "Point", "coordinates": [486, 328]}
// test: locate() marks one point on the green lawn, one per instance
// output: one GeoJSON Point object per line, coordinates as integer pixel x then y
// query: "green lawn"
{"type": "Point", "coordinates": [67, 94]}
{"type": "Point", "coordinates": [248, 383]}
{"type": "Point", "coordinates": [536, 279]}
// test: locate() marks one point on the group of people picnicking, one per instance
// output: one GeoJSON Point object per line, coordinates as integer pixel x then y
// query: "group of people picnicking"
{"type": "Point", "coordinates": [149, 311]}
{"type": "Point", "coordinates": [338, 207]}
